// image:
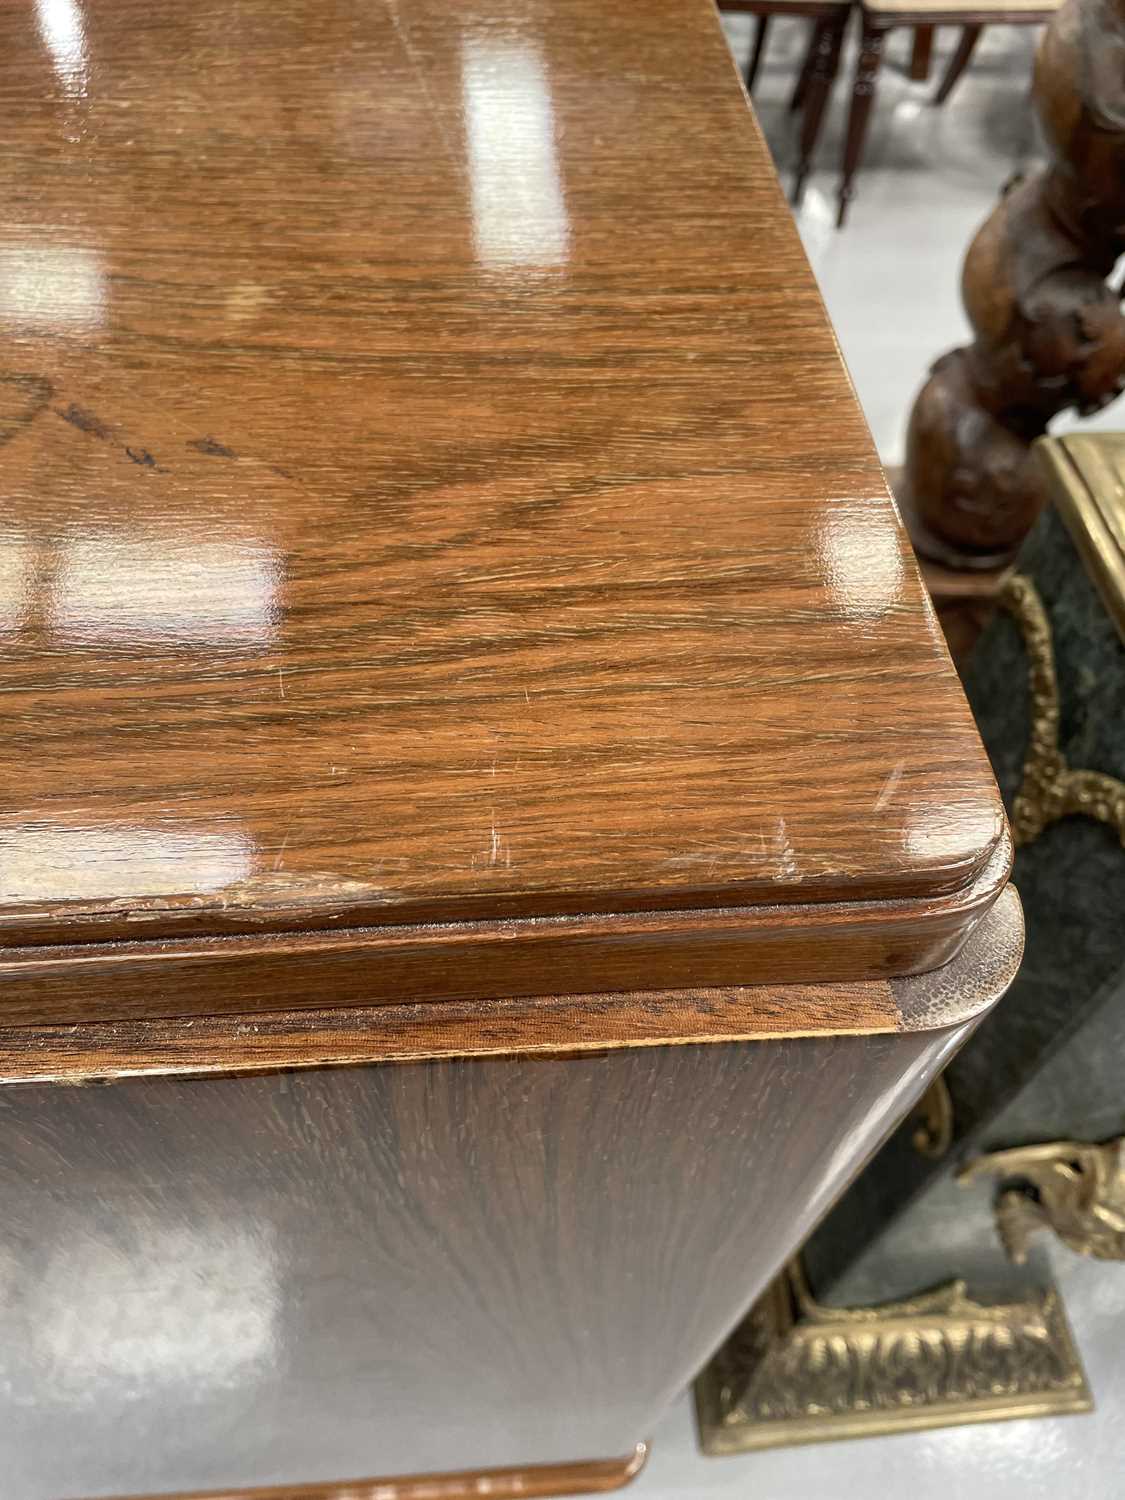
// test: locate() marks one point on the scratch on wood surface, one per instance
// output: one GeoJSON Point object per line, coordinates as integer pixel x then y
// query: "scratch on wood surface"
{"type": "Point", "coordinates": [318, 889]}
{"type": "Point", "coordinates": [887, 790]}
{"type": "Point", "coordinates": [424, 82]}
{"type": "Point", "coordinates": [744, 851]}
{"type": "Point", "coordinates": [212, 447]}
{"type": "Point", "coordinates": [787, 867]}
{"type": "Point", "coordinates": [499, 850]}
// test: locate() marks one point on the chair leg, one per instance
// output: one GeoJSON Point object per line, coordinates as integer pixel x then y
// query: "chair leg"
{"type": "Point", "coordinates": [801, 87]}
{"type": "Point", "coordinates": [863, 95]}
{"type": "Point", "coordinates": [827, 41]}
{"type": "Point", "coordinates": [970, 35]}
{"type": "Point", "coordinates": [756, 55]}
{"type": "Point", "coordinates": [922, 53]}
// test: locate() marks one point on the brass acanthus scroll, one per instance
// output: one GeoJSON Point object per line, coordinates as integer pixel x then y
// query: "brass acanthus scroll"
{"type": "Point", "coordinates": [1050, 789]}
{"type": "Point", "coordinates": [1076, 1189]}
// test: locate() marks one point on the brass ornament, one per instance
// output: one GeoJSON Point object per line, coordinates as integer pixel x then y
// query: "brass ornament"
{"type": "Point", "coordinates": [933, 1134]}
{"type": "Point", "coordinates": [1072, 1187]}
{"type": "Point", "coordinates": [797, 1372]}
{"type": "Point", "coordinates": [1050, 789]}
{"type": "Point", "coordinates": [1085, 472]}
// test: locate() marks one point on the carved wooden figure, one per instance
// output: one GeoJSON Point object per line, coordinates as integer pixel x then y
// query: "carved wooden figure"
{"type": "Point", "coordinates": [1048, 328]}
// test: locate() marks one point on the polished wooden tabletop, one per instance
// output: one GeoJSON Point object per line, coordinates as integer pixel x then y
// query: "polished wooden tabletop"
{"type": "Point", "coordinates": [433, 494]}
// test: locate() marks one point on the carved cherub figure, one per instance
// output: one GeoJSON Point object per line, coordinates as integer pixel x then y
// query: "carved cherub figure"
{"type": "Point", "coordinates": [1074, 1188]}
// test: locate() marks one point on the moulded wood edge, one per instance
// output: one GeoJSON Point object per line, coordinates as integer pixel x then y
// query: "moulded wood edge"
{"type": "Point", "coordinates": [545, 1026]}
{"type": "Point", "coordinates": [491, 962]}
{"type": "Point", "coordinates": [979, 977]}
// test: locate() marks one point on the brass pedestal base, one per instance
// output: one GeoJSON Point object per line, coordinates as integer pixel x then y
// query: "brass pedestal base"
{"type": "Point", "coordinates": [796, 1372]}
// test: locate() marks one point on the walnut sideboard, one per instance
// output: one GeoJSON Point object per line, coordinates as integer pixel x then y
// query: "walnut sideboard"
{"type": "Point", "coordinates": [491, 838]}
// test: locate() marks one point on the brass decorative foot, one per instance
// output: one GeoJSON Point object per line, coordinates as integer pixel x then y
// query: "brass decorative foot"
{"type": "Point", "coordinates": [796, 1372]}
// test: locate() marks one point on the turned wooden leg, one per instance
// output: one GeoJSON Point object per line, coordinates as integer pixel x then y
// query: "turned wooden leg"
{"type": "Point", "coordinates": [922, 53]}
{"type": "Point", "coordinates": [970, 35]}
{"type": "Point", "coordinates": [756, 54]}
{"type": "Point", "coordinates": [825, 59]}
{"type": "Point", "coordinates": [863, 95]}
{"type": "Point", "coordinates": [800, 88]}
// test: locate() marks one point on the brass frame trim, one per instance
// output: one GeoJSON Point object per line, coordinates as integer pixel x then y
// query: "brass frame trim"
{"type": "Point", "coordinates": [796, 1372]}
{"type": "Point", "coordinates": [1086, 472]}
{"type": "Point", "coordinates": [1050, 789]}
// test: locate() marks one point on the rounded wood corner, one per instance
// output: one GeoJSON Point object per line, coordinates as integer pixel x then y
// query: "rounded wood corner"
{"type": "Point", "coordinates": [972, 982]}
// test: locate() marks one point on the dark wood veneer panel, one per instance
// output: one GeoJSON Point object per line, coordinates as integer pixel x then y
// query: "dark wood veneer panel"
{"type": "Point", "coordinates": [475, 1263]}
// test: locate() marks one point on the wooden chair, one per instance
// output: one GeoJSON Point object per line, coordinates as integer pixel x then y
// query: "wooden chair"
{"type": "Point", "coordinates": [818, 73]}
{"type": "Point", "coordinates": [878, 17]}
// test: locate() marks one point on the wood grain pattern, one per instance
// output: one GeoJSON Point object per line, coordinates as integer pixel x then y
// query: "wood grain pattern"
{"type": "Point", "coordinates": [596, 1478]}
{"type": "Point", "coordinates": [477, 1263]}
{"type": "Point", "coordinates": [433, 495]}
{"type": "Point", "coordinates": [677, 950]}
{"type": "Point", "coordinates": [552, 1024]}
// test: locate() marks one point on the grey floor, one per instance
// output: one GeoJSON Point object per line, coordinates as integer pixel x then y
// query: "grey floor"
{"type": "Point", "coordinates": [890, 284]}
{"type": "Point", "coordinates": [1062, 1458]}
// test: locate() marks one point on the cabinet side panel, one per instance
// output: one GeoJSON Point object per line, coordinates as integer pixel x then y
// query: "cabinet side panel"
{"type": "Point", "coordinates": [460, 1264]}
